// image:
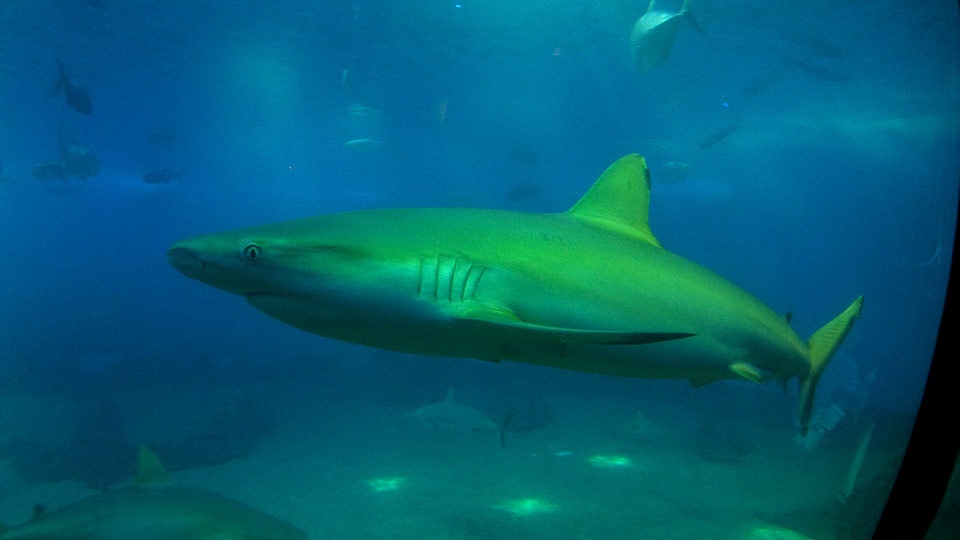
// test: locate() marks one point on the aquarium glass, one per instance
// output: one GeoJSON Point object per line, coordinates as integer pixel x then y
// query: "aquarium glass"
{"type": "Point", "coordinates": [640, 365]}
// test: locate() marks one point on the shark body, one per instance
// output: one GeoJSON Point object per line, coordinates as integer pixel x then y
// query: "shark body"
{"type": "Point", "coordinates": [653, 34]}
{"type": "Point", "coordinates": [590, 289]}
{"type": "Point", "coordinates": [452, 415]}
{"type": "Point", "coordinates": [152, 509]}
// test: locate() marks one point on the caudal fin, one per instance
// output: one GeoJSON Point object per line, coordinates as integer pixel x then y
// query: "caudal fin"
{"type": "Point", "coordinates": [822, 346]}
{"type": "Point", "coordinates": [688, 15]}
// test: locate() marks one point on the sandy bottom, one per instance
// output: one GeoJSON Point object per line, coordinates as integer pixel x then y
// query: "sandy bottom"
{"type": "Point", "coordinates": [599, 470]}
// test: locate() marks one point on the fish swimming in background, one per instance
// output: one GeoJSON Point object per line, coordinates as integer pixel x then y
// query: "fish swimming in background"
{"type": "Point", "coordinates": [75, 95]}
{"type": "Point", "coordinates": [51, 170]}
{"type": "Point", "coordinates": [151, 509]}
{"type": "Point", "coordinates": [80, 161]}
{"type": "Point", "coordinates": [75, 161]}
{"type": "Point", "coordinates": [672, 172]}
{"type": "Point", "coordinates": [590, 289]}
{"type": "Point", "coordinates": [363, 111]}
{"type": "Point", "coordinates": [160, 176]}
{"type": "Point", "coordinates": [451, 415]}
{"type": "Point", "coordinates": [653, 34]}
{"type": "Point", "coordinates": [717, 135]}
{"type": "Point", "coordinates": [364, 143]}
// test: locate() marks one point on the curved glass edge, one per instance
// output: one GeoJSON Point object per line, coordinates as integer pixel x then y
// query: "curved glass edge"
{"type": "Point", "coordinates": [924, 501]}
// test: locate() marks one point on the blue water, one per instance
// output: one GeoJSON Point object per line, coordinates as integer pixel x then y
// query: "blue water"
{"type": "Point", "coordinates": [806, 151]}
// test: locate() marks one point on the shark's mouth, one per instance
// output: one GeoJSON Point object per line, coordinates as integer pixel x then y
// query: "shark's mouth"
{"type": "Point", "coordinates": [305, 313]}
{"type": "Point", "coordinates": [281, 305]}
{"type": "Point", "coordinates": [186, 261]}
{"type": "Point", "coordinates": [288, 309]}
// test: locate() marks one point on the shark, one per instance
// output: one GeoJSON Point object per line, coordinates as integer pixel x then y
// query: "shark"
{"type": "Point", "coordinates": [590, 289]}
{"type": "Point", "coordinates": [452, 415]}
{"type": "Point", "coordinates": [151, 508]}
{"type": "Point", "coordinates": [652, 36]}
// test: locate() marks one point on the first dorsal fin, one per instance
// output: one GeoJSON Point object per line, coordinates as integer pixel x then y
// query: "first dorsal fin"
{"type": "Point", "coordinates": [619, 200]}
{"type": "Point", "coordinates": [150, 471]}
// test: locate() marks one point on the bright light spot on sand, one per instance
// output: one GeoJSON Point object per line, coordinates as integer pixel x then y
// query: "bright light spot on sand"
{"type": "Point", "coordinates": [380, 485]}
{"type": "Point", "coordinates": [526, 507]}
{"type": "Point", "coordinates": [610, 462]}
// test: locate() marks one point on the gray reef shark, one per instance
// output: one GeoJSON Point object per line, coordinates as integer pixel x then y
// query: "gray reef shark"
{"type": "Point", "coordinates": [151, 509]}
{"type": "Point", "coordinates": [653, 34]}
{"type": "Point", "coordinates": [454, 416]}
{"type": "Point", "coordinates": [590, 289]}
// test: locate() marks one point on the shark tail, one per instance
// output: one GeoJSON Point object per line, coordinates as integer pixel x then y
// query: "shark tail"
{"type": "Point", "coordinates": [822, 346]}
{"type": "Point", "coordinates": [688, 15]}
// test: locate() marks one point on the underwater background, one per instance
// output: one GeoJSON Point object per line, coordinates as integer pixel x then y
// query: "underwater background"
{"type": "Point", "coordinates": [806, 151]}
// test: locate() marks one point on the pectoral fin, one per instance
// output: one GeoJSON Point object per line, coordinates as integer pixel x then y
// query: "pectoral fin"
{"type": "Point", "coordinates": [505, 321]}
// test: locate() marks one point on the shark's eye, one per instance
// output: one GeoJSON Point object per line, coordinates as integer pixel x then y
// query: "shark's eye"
{"type": "Point", "coordinates": [251, 252]}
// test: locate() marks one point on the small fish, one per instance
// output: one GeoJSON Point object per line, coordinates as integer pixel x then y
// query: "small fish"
{"type": "Point", "coordinates": [75, 95]}
{"type": "Point", "coordinates": [75, 161]}
{"type": "Point", "coordinates": [765, 81]}
{"type": "Point", "coordinates": [672, 172]}
{"type": "Point", "coordinates": [820, 73]}
{"type": "Point", "coordinates": [653, 34]}
{"type": "Point", "coordinates": [80, 161]}
{"type": "Point", "coordinates": [363, 111]}
{"type": "Point", "coordinates": [364, 142]}
{"type": "Point", "coordinates": [724, 124]}
{"type": "Point", "coordinates": [716, 136]}
{"type": "Point", "coordinates": [161, 136]}
{"type": "Point", "coordinates": [50, 170]}
{"type": "Point", "coordinates": [159, 176]}
{"type": "Point", "coordinates": [442, 111]}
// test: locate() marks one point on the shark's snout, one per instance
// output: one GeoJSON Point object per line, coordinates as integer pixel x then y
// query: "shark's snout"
{"type": "Point", "coordinates": [215, 263]}
{"type": "Point", "coordinates": [186, 260]}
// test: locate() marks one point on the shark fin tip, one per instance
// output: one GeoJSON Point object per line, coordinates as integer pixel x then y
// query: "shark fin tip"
{"type": "Point", "coordinates": [822, 346]}
{"type": "Point", "coordinates": [150, 471]}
